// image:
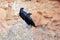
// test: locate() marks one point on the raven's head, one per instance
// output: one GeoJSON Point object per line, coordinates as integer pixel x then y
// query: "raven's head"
{"type": "Point", "coordinates": [21, 8]}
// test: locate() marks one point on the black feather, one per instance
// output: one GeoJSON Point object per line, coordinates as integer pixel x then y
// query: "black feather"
{"type": "Point", "coordinates": [26, 17]}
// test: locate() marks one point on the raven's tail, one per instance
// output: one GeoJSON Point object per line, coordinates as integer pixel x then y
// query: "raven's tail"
{"type": "Point", "coordinates": [35, 26]}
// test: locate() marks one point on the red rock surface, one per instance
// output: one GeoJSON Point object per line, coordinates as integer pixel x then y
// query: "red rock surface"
{"type": "Point", "coordinates": [45, 14]}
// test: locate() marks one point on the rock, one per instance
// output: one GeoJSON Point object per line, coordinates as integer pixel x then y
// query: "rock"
{"type": "Point", "coordinates": [8, 24]}
{"type": "Point", "coordinates": [2, 15]}
{"type": "Point", "coordinates": [3, 33]}
{"type": "Point", "coordinates": [4, 4]}
{"type": "Point", "coordinates": [9, 1]}
{"type": "Point", "coordinates": [18, 32]}
{"type": "Point", "coordinates": [43, 12]}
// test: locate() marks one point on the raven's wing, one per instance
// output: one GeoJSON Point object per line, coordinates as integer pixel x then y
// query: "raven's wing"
{"type": "Point", "coordinates": [25, 13]}
{"type": "Point", "coordinates": [31, 22]}
{"type": "Point", "coordinates": [28, 14]}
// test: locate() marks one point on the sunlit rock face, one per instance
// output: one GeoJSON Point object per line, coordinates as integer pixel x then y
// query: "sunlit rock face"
{"type": "Point", "coordinates": [9, 1]}
{"type": "Point", "coordinates": [19, 32]}
{"type": "Point", "coordinates": [2, 14]}
{"type": "Point", "coordinates": [45, 14]}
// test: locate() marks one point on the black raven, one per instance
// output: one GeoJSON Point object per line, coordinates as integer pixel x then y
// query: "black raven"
{"type": "Point", "coordinates": [26, 17]}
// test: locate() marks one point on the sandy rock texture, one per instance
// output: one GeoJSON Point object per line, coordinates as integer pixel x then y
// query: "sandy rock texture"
{"type": "Point", "coordinates": [45, 14]}
{"type": "Point", "coordinates": [2, 14]}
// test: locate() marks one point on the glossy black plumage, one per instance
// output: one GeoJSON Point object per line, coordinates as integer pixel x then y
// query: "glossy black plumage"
{"type": "Point", "coordinates": [26, 17]}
